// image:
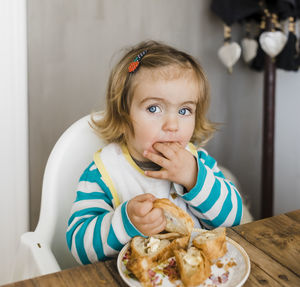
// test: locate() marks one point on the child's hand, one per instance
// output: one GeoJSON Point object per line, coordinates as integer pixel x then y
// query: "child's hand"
{"type": "Point", "coordinates": [144, 217]}
{"type": "Point", "coordinates": [178, 164]}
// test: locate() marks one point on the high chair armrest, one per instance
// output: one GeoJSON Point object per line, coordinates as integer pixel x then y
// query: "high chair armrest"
{"type": "Point", "coordinates": [34, 258]}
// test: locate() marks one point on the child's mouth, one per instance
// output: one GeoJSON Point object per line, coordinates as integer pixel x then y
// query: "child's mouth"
{"type": "Point", "coordinates": [161, 142]}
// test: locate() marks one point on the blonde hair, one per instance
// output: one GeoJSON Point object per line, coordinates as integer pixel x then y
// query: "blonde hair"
{"type": "Point", "coordinates": [115, 122]}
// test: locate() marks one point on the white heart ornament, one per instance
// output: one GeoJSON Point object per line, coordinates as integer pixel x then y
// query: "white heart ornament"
{"type": "Point", "coordinates": [272, 42]}
{"type": "Point", "coordinates": [229, 53]}
{"type": "Point", "coordinates": [249, 47]}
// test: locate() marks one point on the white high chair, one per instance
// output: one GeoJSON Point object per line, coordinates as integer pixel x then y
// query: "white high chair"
{"type": "Point", "coordinates": [45, 250]}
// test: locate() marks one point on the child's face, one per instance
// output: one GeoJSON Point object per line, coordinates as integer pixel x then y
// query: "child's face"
{"type": "Point", "coordinates": [162, 110]}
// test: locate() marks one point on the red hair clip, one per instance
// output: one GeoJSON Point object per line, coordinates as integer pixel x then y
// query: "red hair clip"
{"type": "Point", "coordinates": [134, 65]}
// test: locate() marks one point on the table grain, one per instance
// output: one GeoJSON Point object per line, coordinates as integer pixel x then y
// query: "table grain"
{"type": "Point", "coordinates": [273, 245]}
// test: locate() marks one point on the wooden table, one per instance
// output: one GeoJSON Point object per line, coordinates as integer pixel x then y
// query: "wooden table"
{"type": "Point", "coordinates": [273, 245]}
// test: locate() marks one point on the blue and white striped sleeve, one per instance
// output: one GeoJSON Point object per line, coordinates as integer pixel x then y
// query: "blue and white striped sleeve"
{"type": "Point", "coordinates": [97, 231]}
{"type": "Point", "coordinates": [214, 200]}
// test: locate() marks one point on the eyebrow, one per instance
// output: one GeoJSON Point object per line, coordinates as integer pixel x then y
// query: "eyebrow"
{"type": "Point", "coordinates": [163, 100]}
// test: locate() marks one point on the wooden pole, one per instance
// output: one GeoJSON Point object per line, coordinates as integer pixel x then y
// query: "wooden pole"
{"type": "Point", "coordinates": [267, 197]}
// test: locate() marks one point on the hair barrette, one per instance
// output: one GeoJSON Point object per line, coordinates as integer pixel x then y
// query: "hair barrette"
{"type": "Point", "coordinates": [133, 65]}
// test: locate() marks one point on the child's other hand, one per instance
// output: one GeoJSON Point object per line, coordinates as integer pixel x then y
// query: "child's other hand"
{"type": "Point", "coordinates": [178, 164]}
{"type": "Point", "coordinates": [144, 217]}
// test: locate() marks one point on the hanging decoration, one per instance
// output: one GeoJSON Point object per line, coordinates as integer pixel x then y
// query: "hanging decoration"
{"type": "Point", "coordinates": [275, 50]}
{"type": "Point", "coordinates": [258, 62]}
{"type": "Point", "coordinates": [230, 52]}
{"type": "Point", "coordinates": [272, 42]}
{"type": "Point", "coordinates": [287, 59]}
{"type": "Point", "coordinates": [281, 46]}
{"type": "Point", "coordinates": [249, 49]}
{"type": "Point", "coordinates": [249, 45]}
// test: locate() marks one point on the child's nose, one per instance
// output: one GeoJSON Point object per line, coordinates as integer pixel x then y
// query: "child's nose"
{"type": "Point", "coordinates": [170, 123]}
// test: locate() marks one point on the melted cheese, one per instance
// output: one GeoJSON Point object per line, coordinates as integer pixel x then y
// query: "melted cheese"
{"type": "Point", "coordinates": [191, 257]}
{"type": "Point", "coordinates": [152, 245]}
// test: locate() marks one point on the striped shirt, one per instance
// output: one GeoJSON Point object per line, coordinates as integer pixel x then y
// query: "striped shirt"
{"type": "Point", "coordinates": [99, 225]}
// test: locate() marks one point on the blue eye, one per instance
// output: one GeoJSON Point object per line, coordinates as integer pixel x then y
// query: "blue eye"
{"type": "Point", "coordinates": [184, 111]}
{"type": "Point", "coordinates": [153, 109]}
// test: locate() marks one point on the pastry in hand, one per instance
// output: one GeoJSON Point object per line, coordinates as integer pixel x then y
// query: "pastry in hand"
{"type": "Point", "coordinates": [193, 266]}
{"type": "Point", "coordinates": [177, 219]}
{"type": "Point", "coordinates": [212, 242]}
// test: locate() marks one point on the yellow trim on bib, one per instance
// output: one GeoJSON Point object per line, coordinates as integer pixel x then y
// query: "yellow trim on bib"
{"type": "Point", "coordinates": [193, 149]}
{"type": "Point", "coordinates": [106, 177]}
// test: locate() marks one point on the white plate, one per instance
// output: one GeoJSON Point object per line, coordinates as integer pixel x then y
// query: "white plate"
{"type": "Point", "coordinates": [235, 261]}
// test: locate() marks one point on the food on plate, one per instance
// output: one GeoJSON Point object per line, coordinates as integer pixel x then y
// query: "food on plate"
{"type": "Point", "coordinates": [193, 262]}
{"type": "Point", "coordinates": [156, 249]}
{"type": "Point", "coordinates": [212, 242]}
{"type": "Point", "coordinates": [149, 252]}
{"type": "Point", "coordinates": [177, 219]}
{"type": "Point", "coordinates": [140, 267]}
{"type": "Point", "coordinates": [193, 265]}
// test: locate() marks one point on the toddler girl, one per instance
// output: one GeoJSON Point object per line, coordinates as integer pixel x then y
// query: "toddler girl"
{"type": "Point", "coordinates": [157, 100]}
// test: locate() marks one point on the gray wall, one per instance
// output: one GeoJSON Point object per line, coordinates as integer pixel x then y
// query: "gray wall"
{"type": "Point", "coordinates": [73, 45]}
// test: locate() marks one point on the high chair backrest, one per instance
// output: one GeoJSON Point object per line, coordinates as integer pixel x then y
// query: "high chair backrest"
{"type": "Point", "coordinates": [70, 156]}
